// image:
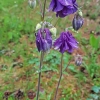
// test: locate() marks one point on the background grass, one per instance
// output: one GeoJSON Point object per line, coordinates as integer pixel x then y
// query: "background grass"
{"type": "Point", "coordinates": [19, 58]}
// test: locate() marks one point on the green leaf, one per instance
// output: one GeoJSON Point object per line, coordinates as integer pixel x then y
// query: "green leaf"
{"type": "Point", "coordinates": [94, 42]}
{"type": "Point", "coordinates": [96, 89]}
{"type": "Point", "coordinates": [89, 99]}
{"type": "Point", "coordinates": [32, 61]}
{"type": "Point", "coordinates": [10, 35]}
{"type": "Point", "coordinates": [94, 96]}
{"type": "Point", "coordinates": [72, 68]}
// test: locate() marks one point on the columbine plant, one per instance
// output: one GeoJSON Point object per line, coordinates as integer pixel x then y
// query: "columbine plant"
{"type": "Point", "coordinates": [44, 31]}
{"type": "Point", "coordinates": [44, 43]}
{"type": "Point", "coordinates": [66, 42]}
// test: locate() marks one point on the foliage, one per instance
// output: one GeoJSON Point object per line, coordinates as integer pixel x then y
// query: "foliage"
{"type": "Point", "coordinates": [19, 59]}
{"type": "Point", "coordinates": [96, 93]}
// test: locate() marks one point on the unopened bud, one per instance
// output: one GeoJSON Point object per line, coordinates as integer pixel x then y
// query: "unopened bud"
{"type": "Point", "coordinates": [32, 3]}
{"type": "Point", "coordinates": [38, 26]}
{"type": "Point", "coordinates": [53, 31]}
{"type": "Point", "coordinates": [80, 13]}
{"type": "Point", "coordinates": [78, 60]}
{"type": "Point", "coordinates": [77, 22]}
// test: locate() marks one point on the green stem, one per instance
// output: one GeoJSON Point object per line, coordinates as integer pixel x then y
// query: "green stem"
{"type": "Point", "coordinates": [42, 55]}
{"type": "Point", "coordinates": [40, 4]}
{"type": "Point", "coordinates": [57, 22]}
{"type": "Point", "coordinates": [39, 79]}
{"type": "Point", "coordinates": [60, 77]}
{"type": "Point", "coordinates": [43, 13]}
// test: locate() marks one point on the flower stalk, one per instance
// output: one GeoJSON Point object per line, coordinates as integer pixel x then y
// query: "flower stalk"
{"type": "Point", "coordinates": [43, 13]}
{"type": "Point", "coordinates": [39, 79]}
{"type": "Point", "coordinates": [40, 4]}
{"type": "Point", "coordinates": [61, 73]}
{"type": "Point", "coordinates": [42, 53]}
{"type": "Point", "coordinates": [59, 77]}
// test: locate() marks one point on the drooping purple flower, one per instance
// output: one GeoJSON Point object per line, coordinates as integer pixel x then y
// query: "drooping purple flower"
{"type": "Point", "coordinates": [63, 7]}
{"type": "Point", "coordinates": [77, 22]}
{"type": "Point", "coordinates": [43, 40]}
{"type": "Point", "coordinates": [66, 42]}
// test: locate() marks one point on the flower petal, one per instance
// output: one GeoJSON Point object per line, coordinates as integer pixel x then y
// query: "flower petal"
{"type": "Point", "coordinates": [66, 42]}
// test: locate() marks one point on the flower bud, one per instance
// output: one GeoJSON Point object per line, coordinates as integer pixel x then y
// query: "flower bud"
{"type": "Point", "coordinates": [53, 31]}
{"type": "Point", "coordinates": [32, 3]}
{"type": "Point", "coordinates": [77, 22]}
{"type": "Point", "coordinates": [38, 26]}
{"type": "Point", "coordinates": [78, 60]}
{"type": "Point", "coordinates": [80, 13]}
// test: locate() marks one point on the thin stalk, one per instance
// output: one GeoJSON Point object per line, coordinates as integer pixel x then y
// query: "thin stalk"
{"type": "Point", "coordinates": [39, 79]}
{"type": "Point", "coordinates": [43, 14]}
{"type": "Point", "coordinates": [42, 53]}
{"type": "Point", "coordinates": [59, 77]}
{"type": "Point", "coordinates": [57, 22]}
{"type": "Point", "coordinates": [61, 74]}
{"type": "Point", "coordinates": [40, 4]}
{"type": "Point", "coordinates": [42, 9]}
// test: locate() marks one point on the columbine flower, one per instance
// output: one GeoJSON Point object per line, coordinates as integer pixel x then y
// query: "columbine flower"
{"type": "Point", "coordinates": [77, 22]}
{"type": "Point", "coordinates": [66, 42]}
{"type": "Point", "coordinates": [43, 40]}
{"type": "Point", "coordinates": [63, 7]}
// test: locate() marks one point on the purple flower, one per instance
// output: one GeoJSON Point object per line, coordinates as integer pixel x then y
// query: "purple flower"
{"type": "Point", "coordinates": [66, 42]}
{"type": "Point", "coordinates": [77, 22]}
{"type": "Point", "coordinates": [63, 7]}
{"type": "Point", "coordinates": [43, 40]}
